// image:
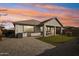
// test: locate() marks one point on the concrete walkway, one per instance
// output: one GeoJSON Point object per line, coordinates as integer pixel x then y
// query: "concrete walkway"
{"type": "Point", "coordinates": [28, 46]}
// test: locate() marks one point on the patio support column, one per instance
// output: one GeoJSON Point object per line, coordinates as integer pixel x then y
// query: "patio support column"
{"type": "Point", "coordinates": [51, 30]}
{"type": "Point", "coordinates": [44, 30]}
{"type": "Point", "coordinates": [61, 31]}
{"type": "Point", "coordinates": [54, 30]}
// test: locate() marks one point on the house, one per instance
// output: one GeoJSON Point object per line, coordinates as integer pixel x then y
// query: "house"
{"type": "Point", "coordinates": [37, 28]}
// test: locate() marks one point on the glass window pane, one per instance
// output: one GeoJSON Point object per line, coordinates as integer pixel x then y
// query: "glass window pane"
{"type": "Point", "coordinates": [28, 28]}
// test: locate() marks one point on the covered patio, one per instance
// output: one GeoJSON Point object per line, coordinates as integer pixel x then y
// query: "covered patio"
{"type": "Point", "coordinates": [50, 26]}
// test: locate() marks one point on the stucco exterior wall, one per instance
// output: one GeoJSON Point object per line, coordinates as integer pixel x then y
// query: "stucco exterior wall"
{"type": "Point", "coordinates": [24, 34]}
{"type": "Point", "coordinates": [37, 29]}
{"type": "Point", "coordinates": [18, 29]}
{"type": "Point", "coordinates": [52, 22]}
{"type": "Point", "coordinates": [52, 31]}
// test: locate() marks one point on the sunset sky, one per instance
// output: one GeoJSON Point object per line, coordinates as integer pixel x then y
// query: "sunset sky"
{"type": "Point", "coordinates": [68, 14]}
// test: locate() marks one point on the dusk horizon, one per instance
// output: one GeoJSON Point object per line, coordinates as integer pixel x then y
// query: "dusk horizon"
{"type": "Point", "coordinates": [66, 12]}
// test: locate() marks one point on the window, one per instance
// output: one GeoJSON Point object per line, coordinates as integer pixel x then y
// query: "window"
{"type": "Point", "coordinates": [28, 28]}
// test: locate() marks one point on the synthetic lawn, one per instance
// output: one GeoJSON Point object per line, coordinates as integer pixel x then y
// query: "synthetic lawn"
{"type": "Point", "coordinates": [56, 39]}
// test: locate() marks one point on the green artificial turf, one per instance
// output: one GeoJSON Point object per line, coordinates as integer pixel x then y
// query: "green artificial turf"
{"type": "Point", "coordinates": [56, 39]}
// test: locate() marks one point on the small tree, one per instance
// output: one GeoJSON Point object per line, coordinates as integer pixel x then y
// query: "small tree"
{"type": "Point", "coordinates": [0, 34]}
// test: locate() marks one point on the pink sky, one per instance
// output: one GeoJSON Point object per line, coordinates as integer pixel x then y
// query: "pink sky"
{"type": "Point", "coordinates": [65, 15]}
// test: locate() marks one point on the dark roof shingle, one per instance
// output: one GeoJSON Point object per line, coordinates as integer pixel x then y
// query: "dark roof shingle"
{"type": "Point", "coordinates": [28, 22]}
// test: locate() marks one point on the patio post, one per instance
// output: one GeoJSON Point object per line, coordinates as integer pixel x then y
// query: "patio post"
{"type": "Point", "coordinates": [44, 30]}
{"type": "Point", "coordinates": [54, 30]}
{"type": "Point", "coordinates": [61, 32]}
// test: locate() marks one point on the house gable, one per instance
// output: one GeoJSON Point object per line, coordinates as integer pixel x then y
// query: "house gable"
{"type": "Point", "coordinates": [53, 22]}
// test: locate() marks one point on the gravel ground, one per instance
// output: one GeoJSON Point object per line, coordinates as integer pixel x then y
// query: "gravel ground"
{"type": "Point", "coordinates": [28, 46]}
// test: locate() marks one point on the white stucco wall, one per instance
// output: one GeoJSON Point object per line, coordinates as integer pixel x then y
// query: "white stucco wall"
{"type": "Point", "coordinates": [53, 22]}
{"type": "Point", "coordinates": [24, 34]}
{"type": "Point", "coordinates": [52, 31]}
{"type": "Point", "coordinates": [37, 29]}
{"type": "Point", "coordinates": [18, 29]}
{"type": "Point", "coordinates": [36, 34]}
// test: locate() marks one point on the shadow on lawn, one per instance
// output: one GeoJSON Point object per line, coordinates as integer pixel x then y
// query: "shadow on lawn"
{"type": "Point", "coordinates": [66, 49]}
